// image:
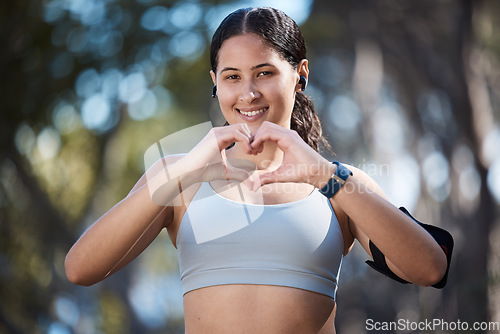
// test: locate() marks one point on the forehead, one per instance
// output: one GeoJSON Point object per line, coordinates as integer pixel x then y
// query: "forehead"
{"type": "Point", "coordinates": [246, 51]}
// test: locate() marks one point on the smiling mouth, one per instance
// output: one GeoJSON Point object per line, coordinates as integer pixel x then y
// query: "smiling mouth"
{"type": "Point", "coordinates": [252, 113]}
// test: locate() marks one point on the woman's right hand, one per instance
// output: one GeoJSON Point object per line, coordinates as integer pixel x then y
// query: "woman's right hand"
{"type": "Point", "coordinates": [204, 163]}
{"type": "Point", "coordinates": [130, 226]}
{"type": "Point", "coordinates": [207, 161]}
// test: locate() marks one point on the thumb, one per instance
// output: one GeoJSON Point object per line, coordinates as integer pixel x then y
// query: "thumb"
{"type": "Point", "coordinates": [240, 175]}
{"type": "Point", "coordinates": [266, 178]}
{"type": "Point", "coordinates": [236, 174]}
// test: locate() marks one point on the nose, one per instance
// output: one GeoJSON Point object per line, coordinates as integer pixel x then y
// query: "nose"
{"type": "Point", "coordinates": [249, 92]}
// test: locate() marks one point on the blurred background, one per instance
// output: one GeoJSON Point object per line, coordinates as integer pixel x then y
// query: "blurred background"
{"type": "Point", "coordinates": [409, 91]}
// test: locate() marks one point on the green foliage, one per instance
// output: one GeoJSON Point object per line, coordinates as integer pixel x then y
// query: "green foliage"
{"type": "Point", "coordinates": [403, 88]}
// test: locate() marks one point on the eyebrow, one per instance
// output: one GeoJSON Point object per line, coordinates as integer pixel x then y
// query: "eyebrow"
{"type": "Point", "coordinates": [253, 68]}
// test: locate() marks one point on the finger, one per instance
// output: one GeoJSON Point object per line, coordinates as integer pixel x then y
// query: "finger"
{"type": "Point", "coordinates": [239, 169]}
{"type": "Point", "coordinates": [256, 184]}
{"type": "Point", "coordinates": [247, 143]}
{"type": "Point", "coordinates": [276, 176]}
{"type": "Point", "coordinates": [244, 164]}
{"type": "Point", "coordinates": [243, 128]}
{"type": "Point", "coordinates": [238, 136]}
{"type": "Point", "coordinates": [242, 176]}
{"type": "Point", "coordinates": [278, 136]}
{"type": "Point", "coordinates": [264, 179]}
{"type": "Point", "coordinates": [248, 133]}
{"type": "Point", "coordinates": [221, 171]}
{"type": "Point", "coordinates": [246, 130]}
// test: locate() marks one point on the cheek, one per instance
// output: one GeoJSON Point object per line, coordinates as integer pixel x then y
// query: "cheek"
{"type": "Point", "coordinates": [283, 94]}
{"type": "Point", "coordinates": [279, 90]}
{"type": "Point", "coordinates": [226, 102]}
{"type": "Point", "coordinates": [225, 96]}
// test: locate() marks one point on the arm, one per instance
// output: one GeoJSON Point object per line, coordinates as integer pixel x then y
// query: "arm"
{"type": "Point", "coordinates": [123, 232]}
{"type": "Point", "coordinates": [411, 252]}
{"type": "Point", "coordinates": [130, 226]}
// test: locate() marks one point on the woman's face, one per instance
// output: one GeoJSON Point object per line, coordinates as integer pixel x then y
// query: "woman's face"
{"type": "Point", "coordinates": [254, 84]}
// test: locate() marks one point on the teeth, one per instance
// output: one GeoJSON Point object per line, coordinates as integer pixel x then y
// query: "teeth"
{"type": "Point", "coordinates": [252, 113]}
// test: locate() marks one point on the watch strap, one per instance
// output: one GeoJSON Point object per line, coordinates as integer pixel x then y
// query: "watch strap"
{"type": "Point", "coordinates": [336, 181]}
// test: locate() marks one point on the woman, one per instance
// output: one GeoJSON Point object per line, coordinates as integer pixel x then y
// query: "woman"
{"type": "Point", "coordinates": [260, 219]}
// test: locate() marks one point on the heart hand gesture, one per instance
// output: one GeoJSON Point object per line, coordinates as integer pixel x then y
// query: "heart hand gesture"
{"type": "Point", "coordinates": [301, 163]}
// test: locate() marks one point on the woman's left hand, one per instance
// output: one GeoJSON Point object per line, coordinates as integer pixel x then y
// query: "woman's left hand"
{"type": "Point", "coordinates": [301, 163]}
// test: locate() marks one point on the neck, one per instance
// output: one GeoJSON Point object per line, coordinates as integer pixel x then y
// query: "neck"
{"type": "Point", "coordinates": [270, 158]}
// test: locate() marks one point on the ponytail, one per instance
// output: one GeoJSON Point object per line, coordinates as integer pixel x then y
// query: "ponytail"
{"type": "Point", "coordinates": [307, 124]}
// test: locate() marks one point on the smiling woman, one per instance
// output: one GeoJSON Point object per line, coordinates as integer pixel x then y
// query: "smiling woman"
{"type": "Point", "coordinates": [261, 221]}
{"type": "Point", "coordinates": [251, 81]}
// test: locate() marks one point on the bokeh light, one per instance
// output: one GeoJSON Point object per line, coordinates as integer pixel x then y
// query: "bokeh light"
{"type": "Point", "coordinates": [95, 82]}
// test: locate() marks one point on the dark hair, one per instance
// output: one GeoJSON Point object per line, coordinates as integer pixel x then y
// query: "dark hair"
{"type": "Point", "coordinates": [281, 33]}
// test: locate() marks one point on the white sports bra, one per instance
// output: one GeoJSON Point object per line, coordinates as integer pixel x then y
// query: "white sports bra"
{"type": "Point", "coordinates": [297, 244]}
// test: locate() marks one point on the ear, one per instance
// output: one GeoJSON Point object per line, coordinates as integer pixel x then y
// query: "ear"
{"type": "Point", "coordinates": [302, 70]}
{"type": "Point", "coordinates": [214, 79]}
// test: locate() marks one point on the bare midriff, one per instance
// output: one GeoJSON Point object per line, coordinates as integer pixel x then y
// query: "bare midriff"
{"type": "Point", "coordinates": [259, 309]}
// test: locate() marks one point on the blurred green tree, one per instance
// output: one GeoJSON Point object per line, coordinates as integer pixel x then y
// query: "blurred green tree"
{"type": "Point", "coordinates": [407, 90]}
{"type": "Point", "coordinates": [424, 78]}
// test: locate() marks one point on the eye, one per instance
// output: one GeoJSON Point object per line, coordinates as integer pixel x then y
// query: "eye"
{"type": "Point", "coordinates": [265, 73]}
{"type": "Point", "coordinates": [232, 77]}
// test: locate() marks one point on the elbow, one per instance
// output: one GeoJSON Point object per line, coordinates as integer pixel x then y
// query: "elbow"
{"type": "Point", "coordinates": [76, 279]}
{"type": "Point", "coordinates": [436, 276]}
{"type": "Point", "coordinates": [435, 271]}
{"type": "Point", "coordinates": [74, 273]}
{"type": "Point", "coordinates": [432, 278]}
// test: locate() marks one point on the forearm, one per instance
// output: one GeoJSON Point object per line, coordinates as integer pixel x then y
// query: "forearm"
{"type": "Point", "coordinates": [409, 249]}
{"type": "Point", "coordinates": [101, 249]}
{"type": "Point", "coordinates": [407, 246]}
{"type": "Point", "coordinates": [125, 230]}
